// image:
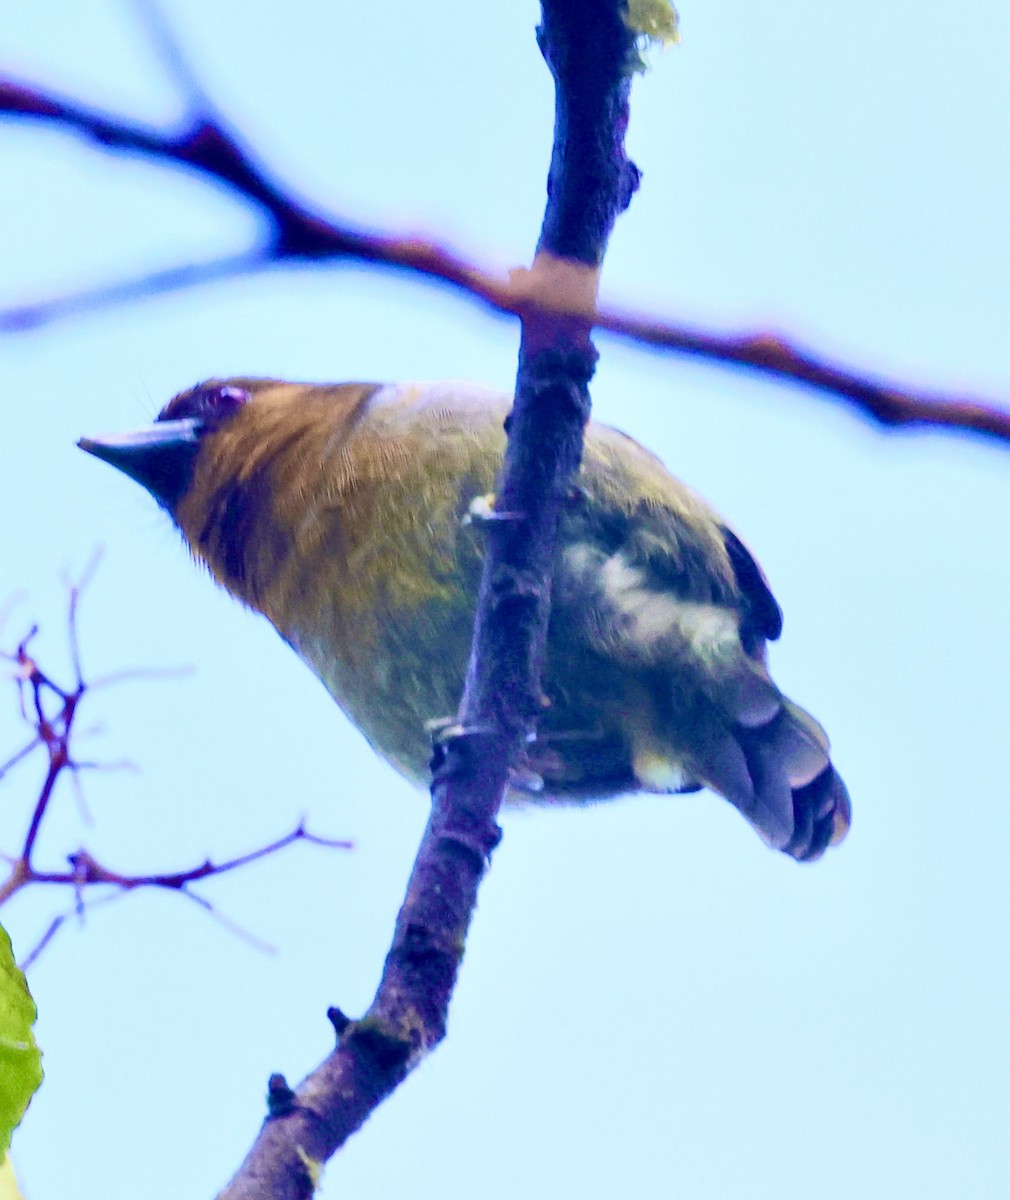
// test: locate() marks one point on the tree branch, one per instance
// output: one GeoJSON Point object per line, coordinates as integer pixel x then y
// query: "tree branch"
{"type": "Point", "coordinates": [590, 52]}
{"type": "Point", "coordinates": [293, 233]}
{"type": "Point", "coordinates": [52, 712]}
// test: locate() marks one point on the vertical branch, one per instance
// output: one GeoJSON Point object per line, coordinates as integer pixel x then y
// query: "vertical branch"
{"type": "Point", "coordinates": [591, 53]}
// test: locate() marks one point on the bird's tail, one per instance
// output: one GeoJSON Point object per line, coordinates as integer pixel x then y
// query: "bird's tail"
{"type": "Point", "coordinates": [789, 790]}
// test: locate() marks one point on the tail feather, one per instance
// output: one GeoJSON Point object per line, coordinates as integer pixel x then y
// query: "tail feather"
{"type": "Point", "coordinates": [746, 770]}
{"type": "Point", "coordinates": [795, 800]}
{"type": "Point", "coordinates": [748, 694]}
{"type": "Point", "coordinates": [797, 742]}
{"type": "Point", "coordinates": [826, 800]}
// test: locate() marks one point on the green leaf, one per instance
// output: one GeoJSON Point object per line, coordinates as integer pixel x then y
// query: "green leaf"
{"type": "Point", "coordinates": [20, 1058]}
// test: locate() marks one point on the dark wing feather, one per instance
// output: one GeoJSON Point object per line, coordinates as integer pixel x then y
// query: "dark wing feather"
{"type": "Point", "coordinates": [765, 616]}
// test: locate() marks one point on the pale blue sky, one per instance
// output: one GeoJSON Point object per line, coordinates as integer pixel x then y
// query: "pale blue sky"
{"type": "Point", "coordinates": [652, 1004]}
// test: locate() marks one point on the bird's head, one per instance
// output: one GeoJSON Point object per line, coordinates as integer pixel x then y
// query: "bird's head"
{"type": "Point", "coordinates": [232, 462]}
{"type": "Point", "coordinates": [163, 457]}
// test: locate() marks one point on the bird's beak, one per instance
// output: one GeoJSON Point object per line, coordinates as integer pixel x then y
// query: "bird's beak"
{"type": "Point", "coordinates": [159, 457]}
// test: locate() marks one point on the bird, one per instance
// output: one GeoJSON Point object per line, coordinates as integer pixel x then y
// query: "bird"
{"type": "Point", "coordinates": [345, 514]}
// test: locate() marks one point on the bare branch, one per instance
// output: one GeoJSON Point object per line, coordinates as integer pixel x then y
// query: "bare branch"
{"type": "Point", "coordinates": [169, 50]}
{"type": "Point", "coordinates": [33, 954]}
{"type": "Point", "coordinates": [233, 927]}
{"type": "Point", "coordinates": [24, 317]}
{"type": "Point", "coordinates": [74, 590]}
{"type": "Point", "coordinates": [772, 355]}
{"type": "Point", "coordinates": [54, 732]}
{"type": "Point", "coordinates": [87, 871]}
{"type": "Point", "coordinates": [17, 756]}
{"type": "Point", "coordinates": [589, 51]}
{"type": "Point", "coordinates": [294, 233]}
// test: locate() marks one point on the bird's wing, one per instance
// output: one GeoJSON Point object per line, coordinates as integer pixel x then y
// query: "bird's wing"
{"type": "Point", "coordinates": [676, 611]}
{"type": "Point", "coordinates": [763, 611]}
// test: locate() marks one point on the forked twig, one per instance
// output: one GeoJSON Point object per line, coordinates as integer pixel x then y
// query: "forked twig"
{"type": "Point", "coordinates": [53, 711]}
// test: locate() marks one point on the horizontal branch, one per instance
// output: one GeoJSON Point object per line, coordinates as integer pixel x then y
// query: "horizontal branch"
{"type": "Point", "coordinates": [295, 234]}
{"type": "Point", "coordinates": [85, 869]}
{"type": "Point", "coordinates": [87, 873]}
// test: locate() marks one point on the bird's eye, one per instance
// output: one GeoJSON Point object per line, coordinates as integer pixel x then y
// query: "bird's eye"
{"type": "Point", "coordinates": [213, 404]}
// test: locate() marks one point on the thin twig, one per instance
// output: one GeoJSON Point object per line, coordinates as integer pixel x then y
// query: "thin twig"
{"type": "Point", "coordinates": [24, 317]}
{"type": "Point", "coordinates": [74, 590]}
{"type": "Point", "coordinates": [18, 756]}
{"type": "Point", "coordinates": [55, 732]}
{"type": "Point", "coordinates": [33, 954]}
{"type": "Point", "coordinates": [86, 871]}
{"type": "Point", "coordinates": [169, 49]}
{"type": "Point", "coordinates": [229, 923]}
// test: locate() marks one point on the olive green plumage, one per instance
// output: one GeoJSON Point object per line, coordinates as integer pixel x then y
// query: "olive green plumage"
{"type": "Point", "coordinates": [342, 513]}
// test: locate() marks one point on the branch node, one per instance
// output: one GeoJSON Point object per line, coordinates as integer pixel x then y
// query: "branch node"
{"type": "Point", "coordinates": [338, 1019]}
{"type": "Point", "coordinates": [280, 1097]}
